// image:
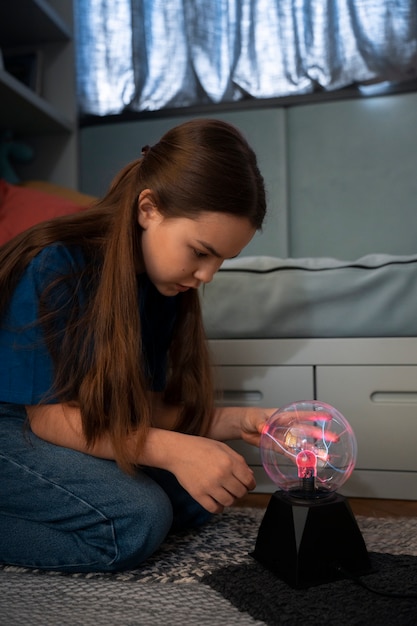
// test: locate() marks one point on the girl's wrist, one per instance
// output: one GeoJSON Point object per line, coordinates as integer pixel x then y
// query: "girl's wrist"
{"type": "Point", "coordinates": [227, 423]}
{"type": "Point", "coordinates": [161, 448]}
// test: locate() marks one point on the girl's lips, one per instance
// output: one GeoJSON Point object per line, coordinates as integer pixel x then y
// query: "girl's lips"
{"type": "Point", "coordinates": [182, 288]}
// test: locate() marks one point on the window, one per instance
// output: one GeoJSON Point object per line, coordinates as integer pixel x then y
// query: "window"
{"type": "Point", "coordinates": [149, 55]}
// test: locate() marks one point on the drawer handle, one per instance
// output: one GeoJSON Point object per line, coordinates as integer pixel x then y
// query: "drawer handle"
{"type": "Point", "coordinates": [239, 396]}
{"type": "Point", "coordinates": [394, 397]}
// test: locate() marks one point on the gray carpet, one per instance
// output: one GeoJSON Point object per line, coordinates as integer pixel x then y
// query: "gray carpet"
{"type": "Point", "coordinates": [189, 582]}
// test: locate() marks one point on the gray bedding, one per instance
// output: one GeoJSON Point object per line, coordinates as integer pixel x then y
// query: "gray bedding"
{"type": "Point", "coordinates": [268, 297]}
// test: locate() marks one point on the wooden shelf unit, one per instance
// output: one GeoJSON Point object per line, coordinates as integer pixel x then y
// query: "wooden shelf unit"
{"type": "Point", "coordinates": [45, 116]}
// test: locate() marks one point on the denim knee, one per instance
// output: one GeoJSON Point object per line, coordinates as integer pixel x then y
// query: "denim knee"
{"type": "Point", "coordinates": [84, 538]}
{"type": "Point", "coordinates": [141, 531]}
{"type": "Point", "coordinates": [68, 511]}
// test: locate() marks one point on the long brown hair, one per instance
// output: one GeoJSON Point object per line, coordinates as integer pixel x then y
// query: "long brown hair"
{"type": "Point", "coordinates": [202, 165]}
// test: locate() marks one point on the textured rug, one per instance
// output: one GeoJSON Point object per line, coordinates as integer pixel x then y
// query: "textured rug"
{"type": "Point", "coordinates": [208, 577]}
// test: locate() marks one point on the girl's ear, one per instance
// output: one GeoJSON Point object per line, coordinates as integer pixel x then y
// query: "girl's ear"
{"type": "Point", "coordinates": [147, 209]}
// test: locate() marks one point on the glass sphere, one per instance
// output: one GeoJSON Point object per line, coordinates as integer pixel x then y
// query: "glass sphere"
{"type": "Point", "coordinates": [308, 449]}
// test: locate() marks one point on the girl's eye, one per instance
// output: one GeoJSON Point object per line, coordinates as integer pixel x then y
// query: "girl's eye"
{"type": "Point", "coordinates": [198, 253]}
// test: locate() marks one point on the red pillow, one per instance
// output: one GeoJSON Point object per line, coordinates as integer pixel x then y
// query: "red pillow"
{"type": "Point", "coordinates": [22, 207]}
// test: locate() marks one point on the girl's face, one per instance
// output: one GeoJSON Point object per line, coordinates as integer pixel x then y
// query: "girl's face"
{"type": "Point", "coordinates": [182, 253]}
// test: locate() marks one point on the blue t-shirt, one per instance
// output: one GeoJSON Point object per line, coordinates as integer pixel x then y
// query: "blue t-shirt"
{"type": "Point", "coordinates": [26, 367]}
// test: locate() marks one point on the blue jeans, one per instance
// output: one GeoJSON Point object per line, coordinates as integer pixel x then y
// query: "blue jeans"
{"type": "Point", "coordinates": [68, 511]}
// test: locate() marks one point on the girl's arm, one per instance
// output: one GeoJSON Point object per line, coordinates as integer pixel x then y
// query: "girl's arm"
{"type": "Point", "coordinates": [228, 422]}
{"type": "Point", "coordinates": [213, 473]}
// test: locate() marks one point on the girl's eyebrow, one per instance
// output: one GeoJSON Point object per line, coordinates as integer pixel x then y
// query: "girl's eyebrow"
{"type": "Point", "coordinates": [209, 248]}
{"type": "Point", "coordinates": [214, 252]}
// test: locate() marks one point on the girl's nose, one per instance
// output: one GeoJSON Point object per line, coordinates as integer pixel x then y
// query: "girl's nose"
{"type": "Point", "coordinates": [204, 275]}
{"type": "Point", "coordinates": [206, 272]}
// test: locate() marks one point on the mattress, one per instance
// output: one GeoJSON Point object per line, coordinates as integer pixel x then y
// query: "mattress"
{"type": "Point", "coordinates": [269, 297]}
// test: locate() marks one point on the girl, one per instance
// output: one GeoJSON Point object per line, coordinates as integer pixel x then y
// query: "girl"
{"type": "Point", "coordinates": [109, 437]}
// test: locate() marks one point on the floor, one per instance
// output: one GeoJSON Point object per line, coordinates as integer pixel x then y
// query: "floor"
{"type": "Point", "coordinates": [360, 506]}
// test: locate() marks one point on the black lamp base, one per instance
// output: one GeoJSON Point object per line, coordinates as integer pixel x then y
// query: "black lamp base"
{"type": "Point", "coordinates": [308, 542]}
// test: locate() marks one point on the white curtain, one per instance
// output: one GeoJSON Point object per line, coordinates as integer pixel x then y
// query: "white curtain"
{"type": "Point", "coordinates": [145, 55]}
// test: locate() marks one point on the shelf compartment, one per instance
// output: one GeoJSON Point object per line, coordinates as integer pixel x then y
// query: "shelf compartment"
{"type": "Point", "coordinates": [26, 112]}
{"type": "Point", "coordinates": [30, 22]}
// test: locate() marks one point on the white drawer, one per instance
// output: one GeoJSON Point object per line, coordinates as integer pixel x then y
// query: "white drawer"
{"type": "Point", "coordinates": [380, 403]}
{"type": "Point", "coordinates": [267, 386]}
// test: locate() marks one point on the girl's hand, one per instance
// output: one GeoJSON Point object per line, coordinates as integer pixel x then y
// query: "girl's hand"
{"type": "Point", "coordinates": [238, 422]}
{"type": "Point", "coordinates": [252, 423]}
{"type": "Point", "coordinates": [212, 473]}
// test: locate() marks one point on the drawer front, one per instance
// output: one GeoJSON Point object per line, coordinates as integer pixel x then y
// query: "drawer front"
{"type": "Point", "coordinates": [267, 386]}
{"type": "Point", "coordinates": [380, 403]}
